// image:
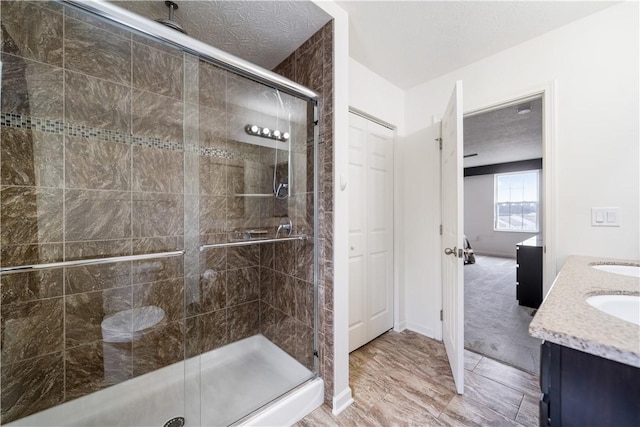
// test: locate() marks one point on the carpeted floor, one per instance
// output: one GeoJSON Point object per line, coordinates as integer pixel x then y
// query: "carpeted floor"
{"type": "Point", "coordinates": [494, 324]}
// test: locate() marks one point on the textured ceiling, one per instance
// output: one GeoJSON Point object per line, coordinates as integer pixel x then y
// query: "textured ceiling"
{"type": "Point", "coordinates": [411, 42]}
{"type": "Point", "coordinates": [406, 42]}
{"type": "Point", "coordinates": [262, 32]}
{"type": "Point", "coordinates": [503, 135]}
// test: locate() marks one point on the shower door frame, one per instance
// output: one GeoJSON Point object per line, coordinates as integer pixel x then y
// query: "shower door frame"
{"type": "Point", "coordinates": [195, 47]}
{"type": "Point", "coordinates": [245, 69]}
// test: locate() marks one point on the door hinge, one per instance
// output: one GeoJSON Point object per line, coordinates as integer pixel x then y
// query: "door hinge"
{"type": "Point", "coordinates": [441, 317]}
{"type": "Point", "coordinates": [441, 229]}
{"type": "Point", "coordinates": [439, 142]}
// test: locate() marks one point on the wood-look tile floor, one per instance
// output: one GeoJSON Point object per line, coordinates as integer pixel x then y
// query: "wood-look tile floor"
{"type": "Point", "coordinates": [402, 379]}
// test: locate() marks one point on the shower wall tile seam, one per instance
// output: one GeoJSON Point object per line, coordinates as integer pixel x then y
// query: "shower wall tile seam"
{"type": "Point", "coordinates": [32, 358]}
{"type": "Point", "coordinates": [148, 43]}
{"type": "Point", "coordinates": [130, 362]}
{"type": "Point", "coordinates": [68, 17]}
{"type": "Point", "coordinates": [234, 305]}
{"type": "Point", "coordinates": [41, 5]}
{"type": "Point", "coordinates": [168, 279]}
{"type": "Point", "coordinates": [0, 258]}
{"type": "Point", "coordinates": [64, 213]}
{"type": "Point", "coordinates": [68, 294]}
{"type": "Point", "coordinates": [286, 314]}
{"type": "Point", "coordinates": [168, 97]}
{"type": "Point", "coordinates": [94, 77]}
{"type": "Point", "coordinates": [15, 245]}
{"type": "Point", "coordinates": [100, 190]}
{"type": "Point", "coordinates": [202, 313]}
{"type": "Point", "coordinates": [43, 187]}
{"type": "Point", "coordinates": [35, 61]}
{"type": "Point", "coordinates": [82, 344]}
{"type": "Point", "coordinates": [31, 301]}
{"type": "Point", "coordinates": [87, 241]}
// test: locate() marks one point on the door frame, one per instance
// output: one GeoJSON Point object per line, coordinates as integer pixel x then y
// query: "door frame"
{"type": "Point", "coordinates": [547, 91]}
{"type": "Point", "coordinates": [398, 324]}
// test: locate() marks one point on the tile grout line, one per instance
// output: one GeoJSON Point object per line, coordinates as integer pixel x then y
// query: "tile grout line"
{"type": "Point", "coordinates": [131, 165]}
{"type": "Point", "coordinates": [520, 406]}
{"type": "Point", "coordinates": [500, 382]}
{"type": "Point", "coordinates": [64, 215]}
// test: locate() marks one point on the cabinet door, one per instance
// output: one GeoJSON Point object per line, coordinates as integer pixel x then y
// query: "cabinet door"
{"type": "Point", "coordinates": [587, 390]}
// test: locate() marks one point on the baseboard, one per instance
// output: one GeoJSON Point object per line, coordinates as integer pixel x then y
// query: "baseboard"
{"type": "Point", "coordinates": [422, 330]}
{"type": "Point", "coordinates": [497, 254]}
{"type": "Point", "coordinates": [342, 401]}
{"type": "Point", "coordinates": [400, 326]}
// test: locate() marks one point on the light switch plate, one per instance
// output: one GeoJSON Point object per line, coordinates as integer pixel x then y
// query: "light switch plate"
{"type": "Point", "coordinates": [605, 217]}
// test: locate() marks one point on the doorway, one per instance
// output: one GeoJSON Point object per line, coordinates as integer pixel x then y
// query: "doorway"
{"type": "Point", "coordinates": [503, 199]}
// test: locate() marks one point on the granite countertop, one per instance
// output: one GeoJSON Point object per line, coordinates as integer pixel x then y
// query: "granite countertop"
{"type": "Point", "coordinates": [567, 319]}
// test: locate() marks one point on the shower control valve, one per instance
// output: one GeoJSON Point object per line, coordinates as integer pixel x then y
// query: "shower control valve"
{"type": "Point", "coordinates": [286, 227]}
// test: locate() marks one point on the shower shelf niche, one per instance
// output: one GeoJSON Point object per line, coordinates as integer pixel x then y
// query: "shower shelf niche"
{"type": "Point", "coordinates": [254, 195]}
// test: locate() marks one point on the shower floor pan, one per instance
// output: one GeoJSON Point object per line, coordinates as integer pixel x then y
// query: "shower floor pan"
{"type": "Point", "coordinates": [214, 389]}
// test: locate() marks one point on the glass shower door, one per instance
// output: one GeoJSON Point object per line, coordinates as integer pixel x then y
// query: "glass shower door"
{"type": "Point", "coordinates": [253, 305]}
{"type": "Point", "coordinates": [92, 233]}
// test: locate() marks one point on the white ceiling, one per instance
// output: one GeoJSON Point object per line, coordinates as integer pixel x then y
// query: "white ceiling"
{"type": "Point", "coordinates": [503, 135]}
{"type": "Point", "coordinates": [262, 32]}
{"type": "Point", "coordinates": [411, 42]}
{"type": "Point", "coordinates": [406, 42]}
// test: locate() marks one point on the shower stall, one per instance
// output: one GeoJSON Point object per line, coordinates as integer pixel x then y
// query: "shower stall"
{"type": "Point", "coordinates": [158, 225]}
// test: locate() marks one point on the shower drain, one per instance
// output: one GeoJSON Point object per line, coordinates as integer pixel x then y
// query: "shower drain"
{"type": "Point", "coordinates": [175, 422]}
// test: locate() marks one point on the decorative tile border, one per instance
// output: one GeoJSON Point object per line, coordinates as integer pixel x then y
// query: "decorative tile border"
{"type": "Point", "coordinates": [26, 122]}
{"type": "Point", "coordinates": [58, 127]}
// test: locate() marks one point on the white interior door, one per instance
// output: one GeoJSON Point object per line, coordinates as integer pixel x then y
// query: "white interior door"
{"type": "Point", "coordinates": [452, 235]}
{"type": "Point", "coordinates": [370, 230]}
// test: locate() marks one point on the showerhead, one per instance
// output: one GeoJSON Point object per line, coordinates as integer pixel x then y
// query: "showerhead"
{"type": "Point", "coordinates": [170, 22]}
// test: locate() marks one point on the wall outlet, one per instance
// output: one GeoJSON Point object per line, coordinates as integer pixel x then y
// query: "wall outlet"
{"type": "Point", "coordinates": [605, 217]}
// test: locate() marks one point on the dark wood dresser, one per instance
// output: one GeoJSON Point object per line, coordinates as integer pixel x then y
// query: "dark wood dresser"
{"type": "Point", "coordinates": [529, 272]}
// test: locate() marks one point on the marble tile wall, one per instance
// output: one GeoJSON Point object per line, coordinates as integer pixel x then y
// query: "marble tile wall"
{"type": "Point", "coordinates": [312, 66]}
{"type": "Point", "coordinates": [286, 298]}
{"type": "Point", "coordinates": [112, 144]}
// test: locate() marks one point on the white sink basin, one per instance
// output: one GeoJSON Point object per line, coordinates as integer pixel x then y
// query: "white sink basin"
{"type": "Point", "coordinates": [625, 270]}
{"type": "Point", "coordinates": [625, 307]}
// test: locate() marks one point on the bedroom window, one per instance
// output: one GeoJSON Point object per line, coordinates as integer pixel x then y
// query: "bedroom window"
{"type": "Point", "coordinates": [516, 201]}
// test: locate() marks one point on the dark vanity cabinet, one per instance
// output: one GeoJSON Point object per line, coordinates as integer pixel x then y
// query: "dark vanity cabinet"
{"type": "Point", "coordinates": [580, 389]}
{"type": "Point", "coordinates": [529, 272]}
